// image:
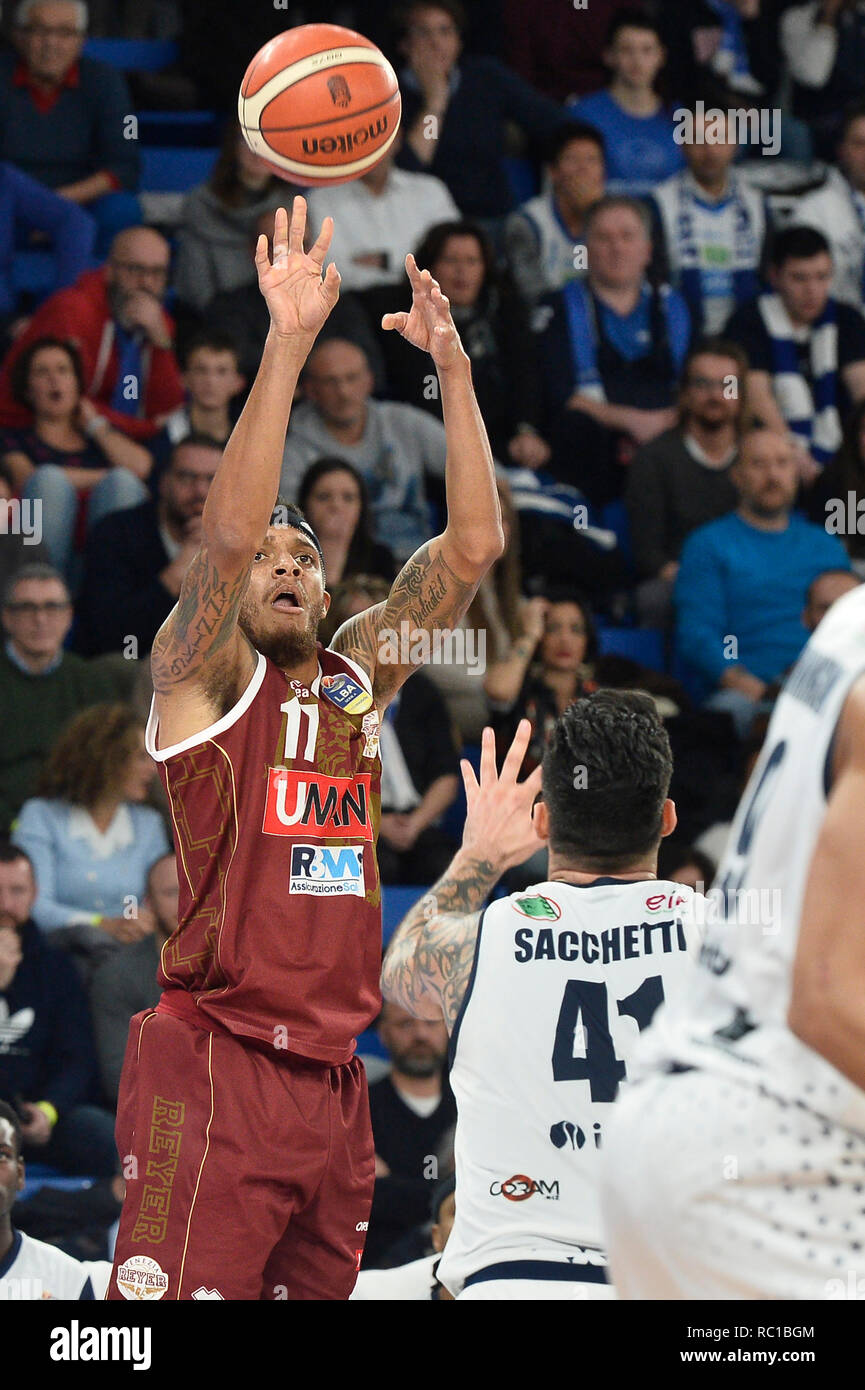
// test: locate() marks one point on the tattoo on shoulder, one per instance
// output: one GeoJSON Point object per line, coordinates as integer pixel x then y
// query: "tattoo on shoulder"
{"type": "Point", "coordinates": [201, 625]}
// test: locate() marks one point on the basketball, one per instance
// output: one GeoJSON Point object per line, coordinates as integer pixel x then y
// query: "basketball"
{"type": "Point", "coordinates": [320, 104]}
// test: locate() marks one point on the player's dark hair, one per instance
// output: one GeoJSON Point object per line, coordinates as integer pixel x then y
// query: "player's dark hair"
{"type": "Point", "coordinates": [630, 19]}
{"type": "Point", "coordinates": [7, 1113]}
{"type": "Point", "coordinates": [568, 134]}
{"type": "Point", "coordinates": [606, 775]}
{"type": "Point", "coordinates": [797, 244]}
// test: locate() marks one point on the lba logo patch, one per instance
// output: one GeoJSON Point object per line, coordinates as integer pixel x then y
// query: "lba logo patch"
{"type": "Point", "coordinates": [324, 871]}
{"type": "Point", "coordinates": [141, 1278]}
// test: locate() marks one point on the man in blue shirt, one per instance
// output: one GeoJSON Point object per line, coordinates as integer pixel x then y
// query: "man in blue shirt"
{"type": "Point", "coordinates": [741, 580]}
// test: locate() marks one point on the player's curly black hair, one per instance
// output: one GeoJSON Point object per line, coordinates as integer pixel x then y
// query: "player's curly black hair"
{"type": "Point", "coordinates": [606, 775]}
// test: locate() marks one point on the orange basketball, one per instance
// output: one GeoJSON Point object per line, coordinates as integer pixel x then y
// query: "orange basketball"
{"type": "Point", "coordinates": [320, 104]}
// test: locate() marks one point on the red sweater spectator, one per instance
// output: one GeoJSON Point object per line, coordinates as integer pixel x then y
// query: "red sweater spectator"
{"type": "Point", "coordinates": [115, 318]}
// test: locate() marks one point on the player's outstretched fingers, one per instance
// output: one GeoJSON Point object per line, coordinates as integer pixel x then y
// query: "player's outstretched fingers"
{"type": "Point", "coordinates": [412, 272]}
{"type": "Point", "coordinates": [280, 236]}
{"type": "Point", "coordinates": [298, 225]}
{"type": "Point", "coordinates": [318, 250]}
{"type": "Point", "coordinates": [397, 321]}
{"type": "Point", "coordinates": [489, 775]}
{"type": "Point", "coordinates": [516, 753]}
{"type": "Point", "coordinates": [470, 782]}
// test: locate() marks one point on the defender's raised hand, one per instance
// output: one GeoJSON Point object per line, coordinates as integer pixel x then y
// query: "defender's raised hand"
{"type": "Point", "coordinates": [428, 325]}
{"type": "Point", "coordinates": [499, 825]}
{"type": "Point", "coordinates": [298, 298]}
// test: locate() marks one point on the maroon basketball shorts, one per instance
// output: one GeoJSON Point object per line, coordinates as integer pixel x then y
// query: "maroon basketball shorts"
{"type": "Point", "coordinates": [249, 1171]}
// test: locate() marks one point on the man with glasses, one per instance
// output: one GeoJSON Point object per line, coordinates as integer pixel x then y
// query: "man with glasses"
{"type": "Point", "coordinates": [41, 686]}
{"type": "Point", "coordinates": [116, 317]}
{"type": "Point", "coordinates": [136, 558]}
{"type": "Point", "coordinates": [64, 118]}
{"type": "Point", "coordinates": [681, 480]}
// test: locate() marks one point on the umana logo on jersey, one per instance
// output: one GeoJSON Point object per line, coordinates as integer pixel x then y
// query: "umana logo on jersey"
{"type": "Point", "coordinates": [317, 806]}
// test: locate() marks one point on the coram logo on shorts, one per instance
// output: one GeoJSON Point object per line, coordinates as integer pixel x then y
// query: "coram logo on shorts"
{"type": "Point", "coordinates": [141, 1278]}
{"type": "Point", "coordinates": [519, 1188]}
{"type": "Point", "coordinates": [320, 807]}
{"type": "Point", "coordinates": [325, 872]}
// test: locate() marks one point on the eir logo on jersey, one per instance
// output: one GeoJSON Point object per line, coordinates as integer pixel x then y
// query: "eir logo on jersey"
{"type": "Point", "coordinates": [316, 806]}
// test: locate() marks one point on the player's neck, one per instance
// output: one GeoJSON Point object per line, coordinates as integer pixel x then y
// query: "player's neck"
{"type": "Point", "coordinates": [7, 1235]}
{"type": "Point", "coordinates": [561, 873]}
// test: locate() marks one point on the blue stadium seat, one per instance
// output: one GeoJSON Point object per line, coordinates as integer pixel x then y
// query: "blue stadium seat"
{"type": "Point", "coordinates": [642, 644]}
{"type": "Point", "coordinates": [614, 517]}
{"type": "Point", "coordinates": [396, 900]}
{"type": "Point", "coordinates": [40, 1175]}
{"type": "Point", "coordinates": [522, 178]}
{"type": "Point", "coordinates": [169, 170]}
{"type": "Point", "coordinates": [133, 55]}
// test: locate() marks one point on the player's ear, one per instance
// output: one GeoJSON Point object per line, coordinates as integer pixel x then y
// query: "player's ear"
{"type": "Point", "coordinates": [669, 819]}
{"type": "Point", "coordinates": [325, 599]}
{"type": "Point", "coordinates": [541, 820]}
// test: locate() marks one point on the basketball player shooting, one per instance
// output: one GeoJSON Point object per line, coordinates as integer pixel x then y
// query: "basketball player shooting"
{"type": "Point", "coordinates": [243, 1124]}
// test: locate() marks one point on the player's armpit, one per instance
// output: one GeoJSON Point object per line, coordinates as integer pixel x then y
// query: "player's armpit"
{"type": "Point", "coordinates": [393, 638]}
{"type": "Point", "coordinates": [202, 626]}
{"type": "Point", "coordinates": [427, 966]}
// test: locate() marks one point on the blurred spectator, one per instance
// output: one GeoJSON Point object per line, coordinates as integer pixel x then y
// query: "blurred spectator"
{"type": "Point", "coordinates": [420, 760]}
{"type": "Point", "coordinates": [243, 316]}
{"type": "Point", "coordinates": [806, 351]}
{"type": "Point", "coordinates": [219, 217]}
{"type": "Point", "coordinates": [622, 341]}
{"type": "Point", "coordinates": [377, 219]}
{"type": "Point", "coordinates": [333, 497]}
{"type": "Point", "coordinates": [26, 207]}
{"type": "Point", "coordinates": [136, 559]}
{"type": "Point", "coordinates": [412, 1110]}
{"type": "Point", "coordinates": [37, 1270]}
{"type": "Point", "coordinates": [838, 209]}
{"type": "Point", "coordinates": [41, 685]}
{"type": "Point", "coordinates": [48, 1061]}
{"type": "Point", "coordinates": [682, 863]}
{"type": "Point", "coordinates": [823, 44]}
{"type": "Point", "coordinates": [636, 125]}
{"type": "Point", "coordinates": [738, 593]}
{"type": "Point", "coordinates": [544, 237]}
{"type": "Point", "coordinates": [69, 450]}
{"type": "Point", "coordinates": [20, 531]}
{"type": "Point", "coordinates": [65, 119]}
{"type": "Point", "coordinates": [416, 1280]}
{"type": "Point", "coordinates": [681, 480]}
{"type": "Point", "coordinates": [389, 443]}
{"type": "Point", "coordinates": [89, 837]}
{"type": "Point", "coordinates": [444, 97]}
{"type": "Point", "coordinates": [213, 382]}
{"type": "Point", "coordinates": [825, 590]}
{"type": "Point", "coordinates": [714, 226]}
{"type": "Point", "coordinates": [731, 41]}
{"type": "Point", "coordinates": [125, 982]}
{"type": "Point", "coordinates": [557, 52]}
{"type": "Point", "coordinates": [493, 327]}
{"type": "Point", "coordinates": [837, 499]}
{"type": "Point", "coordinates": [116, 319]}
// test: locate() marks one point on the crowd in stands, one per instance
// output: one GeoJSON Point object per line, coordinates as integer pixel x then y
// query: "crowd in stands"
{"type": "Point", "coordinates": [666, 325]}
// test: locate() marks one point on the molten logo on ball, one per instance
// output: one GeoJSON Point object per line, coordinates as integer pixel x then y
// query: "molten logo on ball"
{"type": "Point", "coordinates": [346, 140]}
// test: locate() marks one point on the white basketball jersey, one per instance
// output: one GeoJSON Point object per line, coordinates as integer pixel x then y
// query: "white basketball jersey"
{"type": "Point", "coordinates": [734, 1019]}
{"type": "Point", "coordinates": [33, 1270]}
{"type": "Point", "coordinates": [564, 979]}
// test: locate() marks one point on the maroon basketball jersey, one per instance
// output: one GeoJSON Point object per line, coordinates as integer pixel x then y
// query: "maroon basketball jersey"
{"type": "Point", "coordinates": [276, 810]}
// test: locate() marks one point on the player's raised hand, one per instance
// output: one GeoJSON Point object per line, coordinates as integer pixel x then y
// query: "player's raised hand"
{"type": "Point", "coordinates": [298, 298]}
{"type": "Point", "coordinates": [428, 325]}
{"type": "Point", "coordinates": [499, 824]}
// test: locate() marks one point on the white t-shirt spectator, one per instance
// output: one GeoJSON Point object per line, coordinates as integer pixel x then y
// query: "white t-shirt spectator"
{"type": "Point", "coordinates": [383, 226]}
{"type": "Point", "coordinates": [838, 211]}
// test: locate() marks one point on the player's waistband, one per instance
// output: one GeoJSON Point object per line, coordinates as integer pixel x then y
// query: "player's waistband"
{"type": "Point", "coordinates": [181, 1005]}
{"type": "Point", "coordinates": [540, 1269]}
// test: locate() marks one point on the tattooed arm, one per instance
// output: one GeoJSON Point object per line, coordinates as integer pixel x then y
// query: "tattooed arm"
{"type": "Point", "coordinates": [201, 632]}
{"type": "Point", "coordinates": [436, 586]}
{"type": "Point", "coordinates": [429, 959]}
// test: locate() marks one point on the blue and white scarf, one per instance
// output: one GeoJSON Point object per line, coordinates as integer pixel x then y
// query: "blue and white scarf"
{"type": "Point", "coordinates": [811, 412]}
{"type": "Point", "coordinates": [731, 60]}
{"type": "Point", "coordinates": [584, 338]}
